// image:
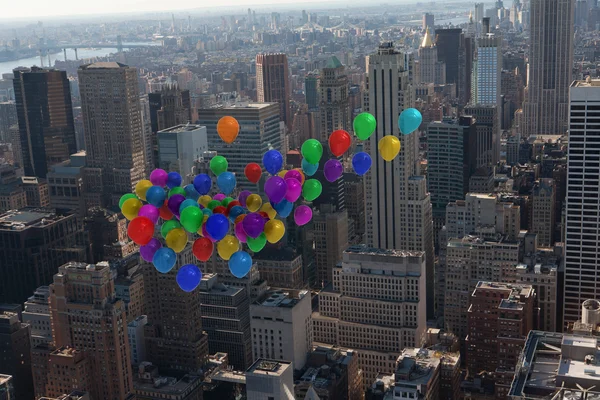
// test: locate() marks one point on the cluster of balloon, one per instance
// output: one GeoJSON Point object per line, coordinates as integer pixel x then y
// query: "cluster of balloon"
{"type": "Point", "coordinates": [389, 146]}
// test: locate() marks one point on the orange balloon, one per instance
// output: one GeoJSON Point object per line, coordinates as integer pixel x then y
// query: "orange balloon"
{"type": "Point", "coordinates": [228, 129]}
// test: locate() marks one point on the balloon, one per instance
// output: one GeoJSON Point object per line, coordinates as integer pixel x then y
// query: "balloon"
{"type": "Point", "coordinates": [253, 224]}
{"type": "Point", "coordinates": [302, 215]}
{"type": "Point", "coordinates": [364, 125]}
{"type": "Point", "coordinates": [147, 251]}
{"type": "Point", "coordinates": [140, 230]}
{"type": "Point", "coordinates": [217, 226]}
{"type": "Point", "coordinates": [191, 219]}
{"type": "Point", "coordinates": [240, 264]}
{"type": "Point", "coordinates": [240, 233]}
{"type": "Point", "coordinates": [164, 259]}
{"type": "Point", "coordinates": [218, 165]}
{"type": "Point", "coordinates": [173, 179]}
{"type": "Point", "coordinates": [176, 240]}
{"type": "Point", "coordinates": [165, 213]}
{"type": "Point", "coordinates": [302, 177]}
{"type": "Point", "coordinates": [131, 207]}
{"type": "Point", "coordinates": [225, 202]}
{"type": "Point", "coordinates": [332, 170]}
{"type": "Point", "coordinates": [205, 233]}
{"type": "Point", "coordinates": [273, 161]}
{"type": "Point", "coordinates": [312, 150]}
{"type": "Point", "coordinates": [150, 212]}
{"type": "Point", "coordinates": [176, 190]}
{"type": "Point", "coordinates": [207, 212]}
{"type": "Point", "coordinates": [126, 197]}
{"type": "Point", "coordinates": [156, 196]}
{"type": "Point", "coordinates": [142, 187]}
{"type": "Point", "coordinates": [339, 142]}
{"type": "Point", "coordinates": [243, 196]}
{"type": "Point", "coordinates": [389, 147]}
{"type": "Point", "coordinates": [264, 215]}
{"type": "Point", "coordinates": [235, 212]}
{"type": "Point", "coordinates": [159, 177]}
{"type": "Point", "coordinates": [294, 189]}
{"type": "Point", "coordinates": [228, 129]}
{"type": "Point", "coordinates": [204, 200]}
{"type": "Point", "coordinates": [219, 210]}
{"type": "Point", "coordinates": [282, 173]}
{"type": "Point", "coordinates": [231, 204]}
{"type": "Point", "coordinates": [253, 172]}
{"type": "Point", "coordinates": [258, 243]}
{"type": "Point", "coordinates": [268, 208]}
{"type": "Point", "coordinates": [253, 202]}
{"type": "Point", "coordinates": [239, 219]}
{"type": "Point", "coordinates": [188, 203]}
{"type": "Point", "coordinates": [308, 168]}
{"type": "Point", "coordinates": [409, 121]}
{"type": "Point", "coordinates": [203, 249]}
{"type": "Point", "coordinates": [174, 202]}
{"type": "Point", "coordinates": [213, 204]}
{"type": "Point", "coordinates": [284, 208]}
{"type": "Point", "coordinates": [274, 230]}
{"type": "Point", "coordinates": [202, 184]}
{"type": "Point", "coordinates": [219, 197]}
{"type": "Point", "coordinates": [168, 226]}
{"type": "Point", "coordinates": [312, 189]}
{"type": "Point", "coordinates": [294, 174]}
{"type": "Point", "coordinates": [188, 277]}
{"type": "Point", "coordinates": [226, 182]}
{"type": "Point", "coordinates": [191, 192]}
{"type": "Point", "coordinates": [275, 189]}
{"type": "Point", "coordinates": [227, 246]}
{"type": "Point", "coordinates": [361, 162]}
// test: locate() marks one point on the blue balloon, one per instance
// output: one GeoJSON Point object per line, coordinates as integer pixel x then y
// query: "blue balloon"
{"type": "Point", "coordinates": [164, 259]}
{"type": "Point", "coordinates": [187, 203]}
{"type": "Point", "coordinates": [409, 120]}
{"type": "Point", "coordinates": [235, 212]}
{"type": "Point", "coordinates": [173, 180]}
{"type": "Point", "coordinates": [240, 264]}
{"type": "Point", "coordinates": [156, 196]}
{"type": "Point", "coordinates": [188, 277]}
{"type": "Point", "coordinates": [191, 192]}
{"type": "Point", "coordinates": [361, 162]}
{"type": "Point", "coordinates": [308, 168]}
{"type": "Point", "coordinates": [217, 226]}
{"type": "Point", "coordinates": [226, 182]}
{"type": "Point", "coordinates": [203, 184]}
{"type": "Point", "coordinates": [273, 161]}
{"type": "Point", "coordinates": [284, 208]}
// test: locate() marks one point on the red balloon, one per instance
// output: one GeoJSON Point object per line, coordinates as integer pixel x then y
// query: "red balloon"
{"type": "Point", "coordinates": [203, 249]}
{"type": "Point", "coordinates": [219, 210]}
{"type": "Point", "coordinates": [253, 172]}
{"type": "Point", "coordinates": [233, 204]}
{"type": "Point", "coordinates": [264, 214]}
{"type": "Point", "coordinates": [140, 230]}
{"type": "Point", "coordinates": [165, 213]}
{"type": "Point", "coordinates": [339, 142]}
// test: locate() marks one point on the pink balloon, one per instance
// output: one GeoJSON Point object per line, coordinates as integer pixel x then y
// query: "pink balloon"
{"type": "Point", "coordinates": [206, 235]}
{"type": "Point", "coordinates": [159, 177]}
{"type": "Point", "coordinates": [294, 175]}
{"type": "Point", "coordinates": [240, 233]}
{"type": "Point", "coordinates": [150, 212]}
{"type": "Point", "coordinates": [302, 215]}
{"type": "Point", "coordinates": [294, 189]}
{"type": "Point", "coordinates": [219, 197]}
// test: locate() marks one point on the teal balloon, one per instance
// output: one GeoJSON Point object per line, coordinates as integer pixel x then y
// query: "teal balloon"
{"type": "Point", "coordinates": [156, 196]}
{"type": "Point", "coordinates": [226, 182]}
{"type": "Point", "coordinates": [207, 211]}
{"type": "Point", "coordinates": [187, 203]}
{"type": "Point", "coordinates": [164, 259]}
{"type": "Point", "coordinates": [190, 192]}
{"type": "Point", "coordinates": [235, 212]}
{"type": "Point", "coordinates": [284, 208]}
{"type": "Point", "coordinates": [409, 120]}
{"type": "Point", "coordinates": [308, 168]}
{"type": "Point", "coordinates": [240, 264]}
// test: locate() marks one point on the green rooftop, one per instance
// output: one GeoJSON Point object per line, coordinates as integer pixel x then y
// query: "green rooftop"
{"type": "Point", "coordinates": [333, 62]}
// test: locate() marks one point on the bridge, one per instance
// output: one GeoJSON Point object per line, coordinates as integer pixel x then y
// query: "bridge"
{"type": "Point", "coordinates": [47, 49]}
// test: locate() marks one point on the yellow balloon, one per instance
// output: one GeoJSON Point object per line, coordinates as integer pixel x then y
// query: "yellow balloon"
{"type": "Point", "coordinates": [142, 187]}
{"type": "Point", "coordinates": [253, 202]}
{"type": "Point", "coordinates": [204, 200]}
{"type": "Point", "coordinates": [268, 208]}
{"type": "Point", "coordinates": [227, 246]}
{"type": "Point", "coordinates": [274, 230]}
{"type": "Point", "coordinates": [176, 239]}
{"type": "Point", "coordinates": [130, 208]}
{"type": "Point", "coordinates": [389, 147]}
{"type": "Point", "coordinates": [282, 173]}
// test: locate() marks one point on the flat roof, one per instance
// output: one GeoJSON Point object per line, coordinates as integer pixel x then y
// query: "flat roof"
{"type": "Point", "coordinates": [266, 367]}
{"type": "Point", "coordinates": [282, 298]}
{"type": "Point", "coordinates": [586, 83]}
{"type": "Point", "coordinates": [182, 128]}
{"type": "Point", "coordinates": [27, 217]}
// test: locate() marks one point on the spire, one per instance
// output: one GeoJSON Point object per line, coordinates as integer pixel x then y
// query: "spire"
{"type": "Point", "coordinates": [427, 41]}
{"type": "Point", "coordinates": [470, 17]}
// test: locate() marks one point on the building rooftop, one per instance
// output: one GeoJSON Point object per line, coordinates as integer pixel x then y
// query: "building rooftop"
{"type": "Point", "coordinates": [17, 220]}
{"type": "Point", "coordinates": [282, 298]}
{"type": "Point", "coordinates": [364, 249]}
{"type": "Point", "coordinates": [275, 254]}
{"type": "Point", "coordinates": [586, 83]}
{"type": "Point", "coordinates": [104, 65]}
{"type": "Point", "coordinates": [182, 128]}
{"type": "Point", "coordinates": [268, 367]}
{"type": "Point", "coordinates": [4, 379]}
{"type": "Point", "coordinates": [242, 105]}
{"type": "Point", "coordinates": [166, 385]}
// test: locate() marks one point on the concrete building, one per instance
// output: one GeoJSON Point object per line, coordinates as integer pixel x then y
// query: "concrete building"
{"type": "Point", "coordinates": [273, 84]}
{"type": "Point", "coordinates": [280, 267]}
{"type": "Point", "coordinates": [482, 180]}
{"type": "Point", "coordinates": [129, 285]}
{"type": "Point", "coordinates": [150, 385]}
{"type": "Point", "coordinates": [431, 70]}
{"type": "Point", "coordinates": [36, 191]}
{"type": "Point", "coordinates": [137, 339]}
{"type": "Point", "coordinates": [484, 150]}
{"type": "Point", "coordinates": [74, 395]}
{"type": "Point", "coordinates": [179, 146]}
{"type": "Point", "coordinates": [65, 184]}
{"type": "Point", "coordinates": [15, 357]}
{"type": "Point", "coordinates": [68, 369]}
{"type": "Point", "coordinates": [487, 70]}
{"type": "Point", "coordinates": [269, 379]}
{"type": "Point", "coordinates": [331, 239]}
{"type": "Point", "coordinates": [354, 198]}
{"type": "Point", "coordinates": [7, 391]}
{"type": "Point", "coordinates": [428, 21]}
{"type": "Point", "coordinates": [543, 204]}
{"type": "Point", "coordinates": [334, 107]}
{"type": "Point", "coordinates": [37, 315]}
{"type": "Point", "coordinates": [169, 107]}
{"type": "Point", "coordinates": [8, 118]}
{"type": "Point", "coordinates": [12, 194]}
{"type": "Point", "coordinates": [311, 90]}
{"type": "Point", "coordinates": [107, 231]}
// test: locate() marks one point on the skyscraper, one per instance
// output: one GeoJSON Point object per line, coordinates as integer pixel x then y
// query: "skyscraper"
{"type": "Point", "coordinates": [546, 107]}
{"type": "Point", "coordinates": [45, 117]}
{"type": "Point", "coordinates": [333, 99]}
{"type": "Point", "coordinates": [487, 68]}
{"type": "Point", "coordinates": [273, 84]}
{"type": "Point", "coordinates": [174, 107]}
{"type": "Point", "coordinates": [428, 21]}
{"type": "Point", "coordinates": [15, 357]}
{"type": "Point", "coordinates": [8, 117]}
{"type": "Point", "coordinates": [448, 42]}
{"type": "Point", "coordinates": [311, 93]}
{"type": "Point", "coordinates": [430, 69]}
{"type": "Point", "coordinates": [543, 199]}
{"type": "Point", "coordinates": [114, 133]}
{"type": "Point", "coordinates": [179, 146]}
{"type": "Point", "coordinates": [331, 239]}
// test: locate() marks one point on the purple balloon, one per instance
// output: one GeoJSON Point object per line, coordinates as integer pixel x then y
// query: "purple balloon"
{"type": "Point", "coordinates": [302, 215]}
{"type": "Point", "coordinates": [332, 170]}
{"type": "Point", "coordinates": [243, 196]}
{"type": "Point", "coordinates": [174, 202]}
{"type": "Point", "coordinates": [158, 177]}
{"type": "Point", "coordinates": [219, 197]}
{"type": "Point", "coordinates": [240, 233]}
{"type": "Point", "coordinates": [275, 188]}
{"type": "Point", "coordinates": [292, 173]}
{"type": "Point", "coordinates": [147, 251]}
{"type": "Point", "coordinates": [253, 224]}
{"type": "Point", "coordinates": [294, 189]}
{"type": "Point", "coordinates": [150, 212]}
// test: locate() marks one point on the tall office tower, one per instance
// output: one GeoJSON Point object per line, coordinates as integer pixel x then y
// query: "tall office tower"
{"type": "Point", "coordinates": [68, 369]}
{"type": "Point", "coordinates": [448, 43]}
{"type": "Point", "coordinates": [465, 60]}
{"type": "Point", "coordinates": [478, 15]}
{"type": "Point", "coordinates": [8, 118]}
{"type": "Point", "coordinates": [114, 134]}
{"type": "Point", "coordinates": [543, 199]}
{"type": "Point", "coordinates": [45, 115]}
{"type": "Point", "coordinates": [148, 134]}
{"type": "Point", "coordinates": [225, 314]}
{"type": "Point", "coordinates": [582, 246]}
{"type": "Point", "coordinates": [331, 239]}
{"type": "Point", "coordinates": [282, 327]}
{"type": "Point", "coordinates": [485, 149]}
{"type": "Point", "coordinates": [376, 306]}
{"type": "Point", "coordinates": [35, 243]}
{"type": "Point", "coordinates": [273, 84]}
{"type": "Point", "coordinates": [179, 147]}
{"type": "Point", "coordinates": [37, 315]}
{"type": "Point", "coordinates": [259, 132]}
{"type": "Point", "coordinates": [398, 204]}
{"type": "Point", "coordinates": [15, 357]}
{"type": "Point", "coordinates": [500, 318]}
{"type": "Point", "coordinates": [487, 68]}
{"type": "Point", "coordinates": [546, 107]}
{"type": "Point", "coordinates": [7, 391]}
{"type": "Point", "coordinates": [354, 196]}
{"type": "Point", "coordinates": [333, 99]}
{"type": "Point", "coordinates": [428, 21]}
{"type": "Point", "coordinates": [311, 90]}
{"type": "Point", "coordinates": [86, 315]}
{"type": "Point", "coordinates": [270, 379]}
{"type": "Point", "coordinates": [430, 69]}
{"type": "Point", "coordinates": [175, 107]}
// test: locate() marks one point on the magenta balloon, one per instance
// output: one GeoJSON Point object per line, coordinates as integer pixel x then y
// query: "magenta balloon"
{"type": "Point", "coordinates": [206, 235]}
{"type": "Point", "coordinates": [332, 170]}
{"type": "Point", "coordinates": [275, 188]}
{"type": "Point", "coordinates": [292, 173]}
{"type": "Point", "coordinates": [243, 196]}
{"type": "Point", "coordinates": [302, 215]}
{"type": "Point", "coordinates": [240, 233]}
{"type": "Point", "coordinates": [159, 177]}
{"type": "Point", "coordinates": [254, 224]}
{"type": "Point", "coordinates": [147, 251]}
{"type": "Point", "coordinates": [294, 189]}
{"type": "Point", "coordinates": [150, 212]}
{"type": "Point", "coordinates": [219, 197]}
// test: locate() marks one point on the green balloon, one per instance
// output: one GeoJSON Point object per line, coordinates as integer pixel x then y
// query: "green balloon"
{"type": "Point", "coordinates": [312, 189]}
{"type": "Point", "coordinates": [225, 202]}
{"type": "Point", "coordinates": [191, 219]}
{"type": "Point", "coordinates": [126, 197]}
{"type": "Point", "coordinates": [176, 190]}
{"type": "Point", "coordinates": [257, 244]}
{"type": "Point", "coordinates": [312, 151]}
{"type": "Point", "coordinates": [218, 165]}
{"type": "Point", "coordinates": [213, 203]}
{"type": "Point", "coordinates": [364, 125]}
{"type": "Point", "coordinates": [168, 226]}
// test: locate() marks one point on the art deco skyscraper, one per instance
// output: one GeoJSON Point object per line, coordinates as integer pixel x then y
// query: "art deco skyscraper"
{"type": "Point", "coordinates": [430, 69]}
{"type": "Point", "coordinates": [273, 84]}
{"type": "Point", "coordinates": [546, 108]}
{"type": "Point", "coordinates": [333, 99]}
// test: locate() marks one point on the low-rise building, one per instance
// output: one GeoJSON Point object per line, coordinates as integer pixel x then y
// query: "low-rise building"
{"type": "Point", "coordinates": [148, 384]}
{"type": "Point", "coordinates": [280, 267]}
